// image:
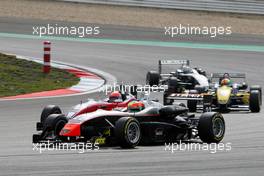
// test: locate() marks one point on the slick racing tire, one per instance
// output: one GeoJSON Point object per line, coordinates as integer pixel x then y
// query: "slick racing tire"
{"type": "Point", "coordinates": [254, 101]}
{"type": "Point", "coordinates": [257, 87]}
{"type": "Point", "coordinates": [152, 78]}
{"type": "Point", "coordinates": [36, 138]}
{"type": "Point", "coordinates": [173, 85]}
{"type": "Point", "coordinates": [55, 122]}
{"type": "Point", "coordinates": [127, 131]}
{"type": "Point", "coordinates": [211, 127]}
{"type": "Point", "coordinates": [48, 110]}
{"type": "Point", "coordinates": [192, 105]}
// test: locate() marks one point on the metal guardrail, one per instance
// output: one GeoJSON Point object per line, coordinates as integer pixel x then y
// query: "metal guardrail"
{"type": "Point", "coordinates": [233, 6]}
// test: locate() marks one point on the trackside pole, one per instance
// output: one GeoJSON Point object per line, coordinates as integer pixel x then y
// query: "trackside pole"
{"type": "Point", "coordinates": [46, 57]}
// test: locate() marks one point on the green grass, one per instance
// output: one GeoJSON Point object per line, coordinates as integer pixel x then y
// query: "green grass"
{"type": "Point", "coordinates": [18, 76]}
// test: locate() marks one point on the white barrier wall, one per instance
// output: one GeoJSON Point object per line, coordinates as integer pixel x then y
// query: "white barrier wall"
{"type": "Point", "coordinates": [236, 6]}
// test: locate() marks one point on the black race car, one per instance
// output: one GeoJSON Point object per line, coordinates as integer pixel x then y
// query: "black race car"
{"type": "Point", "coordinates": [156, 123]}
{"type": "Point", "coordinates": [185, 76]}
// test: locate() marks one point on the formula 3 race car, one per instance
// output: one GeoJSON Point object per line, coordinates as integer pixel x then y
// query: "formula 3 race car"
{"type": "Point", "coordinates": [142, 122]}
{"type": "Point", "coordinates": [116, 100]}
{"type": "Point", "coordinates": [183, 77]}
{"type": "Point", "coordinates": [228, 91]}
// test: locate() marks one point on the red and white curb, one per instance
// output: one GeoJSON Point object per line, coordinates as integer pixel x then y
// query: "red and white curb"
{"type": "Point", "coordinates": [91, 80]}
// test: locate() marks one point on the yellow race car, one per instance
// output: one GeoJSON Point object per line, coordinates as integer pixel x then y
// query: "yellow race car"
{"type": "Point", "coordinates": [228, 91]}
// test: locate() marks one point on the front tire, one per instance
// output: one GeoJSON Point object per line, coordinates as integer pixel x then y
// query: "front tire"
{"type": "Point", "coordinates": [36, 138]}
{"type": "Point", "coordinates": [127, 131]}
{"type": "Point", "coordinates": [48, 110]}
{"type": "Point", "coordinates": [55, 122]}
{"type": "Point", "coordinates": [254, 101]}
{"type": "Point", "coordinates": [211, 127]}
{"type": "Point", "coordinates": [257, 87]}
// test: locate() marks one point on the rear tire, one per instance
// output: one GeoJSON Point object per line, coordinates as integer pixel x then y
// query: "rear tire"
{"type": "Point", "coordinates": [211, 127]}
{"type": "Point", "coordinates": [192, 105]}
{"type": "Point", "coordinates": [48, 110]}
{"type": "Point", "coordinates": [152, 78]}
{"type": "Point", "coordinates": [254, 101]}
{"type": "Point", "coordinates": [127, 131]}
{"type": "Point", "coordinates": [173, 85]}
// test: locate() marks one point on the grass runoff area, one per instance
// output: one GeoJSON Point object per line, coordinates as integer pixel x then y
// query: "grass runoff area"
{"type": "Point", "coordinates": [18, 76]}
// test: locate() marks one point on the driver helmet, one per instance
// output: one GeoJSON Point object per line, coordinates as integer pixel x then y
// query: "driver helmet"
{"type": "Point", "coordinates": [225, 82]}
{"type": "Point", "coordinates": [115, 96]}
{"type": "Point", "coordinates": [226, 75]}
{"type": "Point", "coordinates": [135, 106]}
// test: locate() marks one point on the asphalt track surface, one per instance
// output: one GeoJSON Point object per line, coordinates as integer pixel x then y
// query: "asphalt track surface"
{"type": "Point", "coordinates": [129, 63]}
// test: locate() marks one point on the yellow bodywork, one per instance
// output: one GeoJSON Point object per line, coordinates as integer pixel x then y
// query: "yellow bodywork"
{"type": "Point", "coordinates": [245, 97]}
{"type": "Point", "coordinates": [223, 94]}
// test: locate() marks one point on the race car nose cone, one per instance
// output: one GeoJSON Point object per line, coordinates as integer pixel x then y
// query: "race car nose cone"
{"type": "Point", "coordinates": [71, 130]}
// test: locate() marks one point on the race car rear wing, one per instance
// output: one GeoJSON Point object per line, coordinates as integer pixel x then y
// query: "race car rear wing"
{"type": "Point", "coordinates": [172, 62]}
{"type": "Point", "coordinates": [205, 98]}
{"type": "Point", "coordinates": [185, 96]}
{"type": "Point", "coordinates": [232, 75]}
